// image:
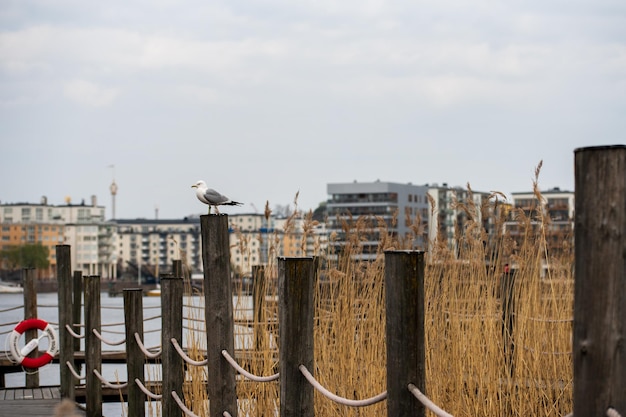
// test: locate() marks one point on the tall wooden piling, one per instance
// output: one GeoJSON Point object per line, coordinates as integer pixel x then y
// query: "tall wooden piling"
{"type": "Point", "coordinates": [218, 313]}
{"type": "Point", "coordinates": [77, 296]}
{"type": "Point", "coordinates": [599, 349]}
{"type": "Point", "coordinates": [406, 354]}
{"type": "Point", "coordinates": [66, 340]}
{"type": "Point", "coordinates": [133, 317]}
{"type": "Point", "coordinates": [258, 310]}
{"type": "Point", "coordinates": [30, 312]}
{"type": "Point", "coordinates": [296, 279]}
{"type": "Point", "coordinates": [171, 328]}
{"type": "Point", "coordinates": [93, 346]}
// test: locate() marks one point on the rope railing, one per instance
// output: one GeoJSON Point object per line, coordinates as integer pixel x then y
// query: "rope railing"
{"type": "Point", "coordinates": [427, 402]}
{"type": "Point", "coordinates": [5, 310]}
{"type": "Point", "coordinates": [149, 354]}
{"type": "Point", "coordinates": [108, 342]}
{"type": "Point", "coordinates": [107, 383]}
{"type": "Point", "coordinates": [73, 371]}
{"type": "Point", "coordinates": [182, 406]}
{"type": "Point", "coordinates": [186, 358]}
{"type": "Point", "coordinates": [73, 333]}
{"type": "Point", "coordinates": [340, 400]}
{"type": "Point", "coordinates": [147, 391]}
{"type": "Point", "coordinates": [11, 323]}
{"type": "Point", "coordinates": [245, 373]}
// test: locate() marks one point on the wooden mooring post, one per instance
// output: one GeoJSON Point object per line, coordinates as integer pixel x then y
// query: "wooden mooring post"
{"type": "Point", "coordinates": [218, 311]}
{"type": "Point", "coordinates": [133, 317]}
{"type": "Point", "coordinates": [66, 341]}
{"type": "Point", "coordinates": [296, 279]}
{"type": "Point", "coordinates": [171, 328]}
{"type": "Point", "coordinates": [599, 348]}
{"type": "Point", "coordinates": [406, 354]}
{"type": "Point", "coordinates": [93, 346]}
{"type": "Point", "coordinates": [30, 312]}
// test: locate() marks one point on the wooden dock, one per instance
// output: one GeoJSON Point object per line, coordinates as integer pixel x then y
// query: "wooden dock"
{"type": "Point", "coordinates": [30, 402]}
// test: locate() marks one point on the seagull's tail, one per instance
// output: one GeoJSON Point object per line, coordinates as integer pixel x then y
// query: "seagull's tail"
{"type": "Point", "coordinates": [233, 203]}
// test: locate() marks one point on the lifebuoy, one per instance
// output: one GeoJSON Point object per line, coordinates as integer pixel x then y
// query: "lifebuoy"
{"type": "Point", "coordinates": [19, 354]}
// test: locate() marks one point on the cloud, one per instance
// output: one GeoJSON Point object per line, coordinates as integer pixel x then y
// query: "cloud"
{"type": "Point", "coordinates": [90, 94]}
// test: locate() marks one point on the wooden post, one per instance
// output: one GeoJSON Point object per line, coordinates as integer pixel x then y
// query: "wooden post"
{"type": "Point", "coordinates": [406, 355]}
{"type": "Point", "coordinates": [133, 317]}
{"type": "Point", "coordinates": [599, 348]}
{"type": "Point", "coordinates": [507, 286]}
{"type": "Point", "coordinates": [30, 312]}
{"type": "Point", "coordinates": [77, 294]}
{"type": "Point", "coordinates": [171, 328]}
{"type": "Point", "coordinates": [66, 340]}
{"type": "Point", "coordinates": [296, 278]}
{"type": "Point", "coordinates": [218, 313]}
{"type": "Point", "coordinates": [258, 301]}
{"type": "Point", "coordinates": [93, 346]}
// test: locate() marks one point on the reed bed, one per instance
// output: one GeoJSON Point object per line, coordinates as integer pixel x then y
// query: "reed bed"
{"type": "Point", "coordinates": [479, 361]}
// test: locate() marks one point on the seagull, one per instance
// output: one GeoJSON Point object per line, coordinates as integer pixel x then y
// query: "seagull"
{"type": "Point", "coordinates": [211, 197]}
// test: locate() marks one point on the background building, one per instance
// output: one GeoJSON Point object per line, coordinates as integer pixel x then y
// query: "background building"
{"type": "Point", "coordinates": [80, 225]}
{"type": "Point", "coordinates": [399, 206]}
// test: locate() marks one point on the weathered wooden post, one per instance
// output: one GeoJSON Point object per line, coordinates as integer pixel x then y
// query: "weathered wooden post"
{"type": "Point", "coordinates": [218, 313]}
{"type": "Point", "coordinates": [406, 355]}
{"type": "Point", "coordinates": [258, 301]}
{"type": "Point", "coordinates": [93, 346]}
{"type": "Point", "coordinates": [171, 328]}
{"type": "Point", "coordinates": [296, 279]}
{"type": "Point", "coordinates": [66, 340]}
{"type": "Point", "coordinates": [133, 317]}
{"type": "Point", "coordinates": [507, 287]}
{"type": "Point", "coordinates": [600, 280]}
{"type": "Point", "coordinates": [30, 312]}
{"type": "Point", "coordinates": [77, 294]}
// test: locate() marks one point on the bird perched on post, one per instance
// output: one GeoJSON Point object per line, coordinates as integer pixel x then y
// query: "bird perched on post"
{"type": "Point", "coordinates": [211, 197]}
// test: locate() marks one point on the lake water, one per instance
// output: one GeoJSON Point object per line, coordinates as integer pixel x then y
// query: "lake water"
{"type": "Point", "coordinates": [112, 330]}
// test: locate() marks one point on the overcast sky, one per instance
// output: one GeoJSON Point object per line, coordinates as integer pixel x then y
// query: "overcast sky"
{"type": "Point", "coordinates": [266, 98]}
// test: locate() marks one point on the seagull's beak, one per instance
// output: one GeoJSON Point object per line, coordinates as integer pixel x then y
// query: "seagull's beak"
{"type": "Point", "coordinates": [194, 186]}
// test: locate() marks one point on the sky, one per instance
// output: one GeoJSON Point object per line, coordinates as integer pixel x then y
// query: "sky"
{"type": "Point", "coordinates": [267, 99]}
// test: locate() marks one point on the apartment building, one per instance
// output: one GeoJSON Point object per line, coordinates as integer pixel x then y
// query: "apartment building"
{"type": "Point", "coordinates": [553, 210]}
{"type": "Point", "coordinates": [450, 211]}
{"type": "Point", "coordinates": [403, 208]}
{"type": "Point", "coordinates": [80, 225]}
{"type": "Point", "coordinates": [152, 246]}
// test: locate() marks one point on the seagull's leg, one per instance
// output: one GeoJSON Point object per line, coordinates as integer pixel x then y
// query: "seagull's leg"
{"type": "Point", "coordinates": [209, 209]}
{"type": "Point", "coordinates": [217, 211]}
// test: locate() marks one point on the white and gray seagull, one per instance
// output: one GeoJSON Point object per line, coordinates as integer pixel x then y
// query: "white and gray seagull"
{"type": "Point", "coordinates": [211, 197]}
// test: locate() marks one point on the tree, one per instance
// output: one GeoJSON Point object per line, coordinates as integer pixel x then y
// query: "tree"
{"type": "Point", "coordinates": [25, 256]}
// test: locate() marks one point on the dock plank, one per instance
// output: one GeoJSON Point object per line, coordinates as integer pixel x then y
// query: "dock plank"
{"type": "Point", "coordinates": [30, 402]}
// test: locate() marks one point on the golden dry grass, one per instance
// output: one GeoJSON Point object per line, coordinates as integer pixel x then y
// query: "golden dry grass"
{"type": "Point", "coordinates": [468, 372]}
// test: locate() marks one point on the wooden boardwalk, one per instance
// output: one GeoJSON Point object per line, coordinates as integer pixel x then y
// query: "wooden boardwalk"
{"type": "Point", "coordinates": [30, 402]}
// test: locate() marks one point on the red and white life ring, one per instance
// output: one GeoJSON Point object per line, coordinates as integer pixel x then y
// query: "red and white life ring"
{"type": "Point", "coordinates": [19, 354]}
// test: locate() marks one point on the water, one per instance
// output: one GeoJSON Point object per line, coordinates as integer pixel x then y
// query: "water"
{"type": "Point", "coordinates": [112, 313]}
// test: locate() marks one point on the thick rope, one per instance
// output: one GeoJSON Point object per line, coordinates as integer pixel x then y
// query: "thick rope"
{"type": "Point", "coordinates": [182, 406]}
{"type": "Point", "coordinates": [107, 383]}
{"type": "Point", "coordinates": [245, 373]}
{"type": "Point", "coordinates": [73, 333]}
{"type": "Point", "coordinates": [186, 358]}
{"type": "Point", "coordinates": [11, 309]}
{"type": "Point", "coordinates": [428, 403]}
{"type": "Point", "coordinates": [336, 398]}
{"type": "Point", "coordinates": [151, 355]}
{"type": "Point", "coordinates": [12, 323]}
{"type": "Point", "coordinates": [73, 371]}
{"type": "Point", "coordinates": [146, 391]}
{"type": "Point", "coordinates": [108, 342]}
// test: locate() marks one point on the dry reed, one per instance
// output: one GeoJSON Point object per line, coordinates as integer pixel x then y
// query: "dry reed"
{"type": "Point", "coordinates": [471, 369]}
